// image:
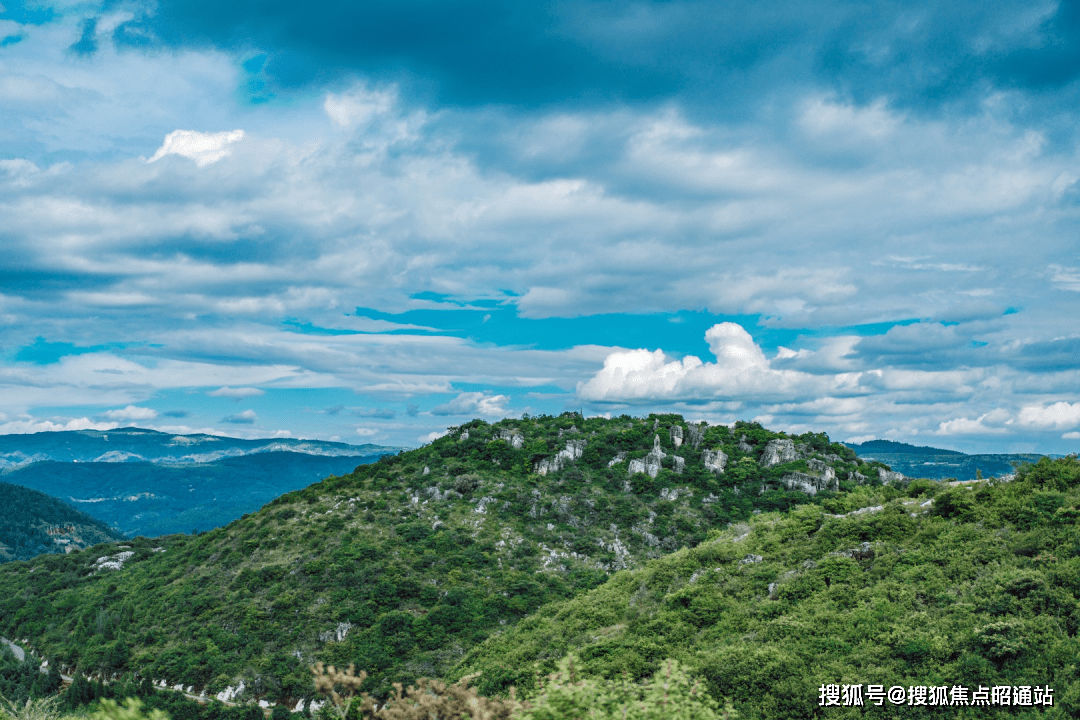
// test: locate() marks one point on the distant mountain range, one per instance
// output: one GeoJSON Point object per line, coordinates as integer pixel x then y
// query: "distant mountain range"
{"type": "Point", "coordinates": [34, 524]}
{"type": "Point", "coordinates": [938, 464]}
{"type": "Point", "coordinates": [143, 482]}
{"type": "Point", "coordinates": [140, 445]}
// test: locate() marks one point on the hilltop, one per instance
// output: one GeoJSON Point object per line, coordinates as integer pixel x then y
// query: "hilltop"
{"type": "Point", "coordinates": [406, 564]}
{"type": "Point", "coordinates": [34, 523]}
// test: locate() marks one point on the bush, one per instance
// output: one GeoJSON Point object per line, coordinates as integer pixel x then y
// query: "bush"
{"type": "Point", "coordinates": [669, 695]}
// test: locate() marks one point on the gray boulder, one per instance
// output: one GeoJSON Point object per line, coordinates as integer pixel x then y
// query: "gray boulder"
{"type": "Point", "coordinates": [778, 452]}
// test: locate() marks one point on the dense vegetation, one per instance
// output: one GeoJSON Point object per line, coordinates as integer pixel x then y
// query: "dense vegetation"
{"type": "Point", "coordinates": [941, 585]}
{"type": "Point", "coordinates": [34, 523]}
{"type": "Point", "coordinates": [402, 566]}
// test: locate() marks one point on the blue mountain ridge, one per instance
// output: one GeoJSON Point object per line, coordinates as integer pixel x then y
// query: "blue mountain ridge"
{"type": "Point", "coordinates": [939, 464]}
{"type": "Point", "coordinates": [149, 483]}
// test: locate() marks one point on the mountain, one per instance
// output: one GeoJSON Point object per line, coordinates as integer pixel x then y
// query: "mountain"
{"type": "Point", "coordinates": [150, 499]}
{"type": "Point", "coordinates": [34, 523]}
{"type": "Point", "coordinates": [406, 564]}
{"type": "Point", "coordinates": [935, 463]}
{"type": "Point", "coordinates": [892, 447]}
{"type": "Point", "coordinates": [936, 587]}
{"type": "Point", "coordinates": [143, 482]}
{"type": "Point", "coordinates": [140, 445]}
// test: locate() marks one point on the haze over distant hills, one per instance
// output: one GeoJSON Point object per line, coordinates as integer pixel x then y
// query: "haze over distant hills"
{"type": "Point", "coordinates": [132, 444]}
{"type": "Point", "coordinates": [143, 482]}
{"type": "Point", "coordinates": [938, 464]}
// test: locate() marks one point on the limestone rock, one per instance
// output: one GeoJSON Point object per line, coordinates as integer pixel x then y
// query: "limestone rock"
{"type": "Point", "coordinates": [715, 460]}
{"type": "Point", "coordinates": [680, 463]}
{"type": "Point", "coordinates": [571, 452]}
{"type": "Point", "coordinates": [856, 477]}
{"type": "Point", "coordinates": [514, 437]}
{"type": "Point", "coordinates": [617, 459]}
{"type": "Point", "coordinates": [820, 467]}
{"type": "Point", "coordinates": [888, 476]}
{"type": "Point", "coordinates": [651, 463]}
{"type": "Point", "coordinates": [696, 434]}
{"type": "Point", "coordinates": [810, 484]}
{"type": "Point", "coordinates": [464, 435]}
{"type": "Point", "coordinates": [676, 435]}
{"type": "Point", "coordinates": [745, 446]}
{"type": "Point", "coordinates": [777, 452]}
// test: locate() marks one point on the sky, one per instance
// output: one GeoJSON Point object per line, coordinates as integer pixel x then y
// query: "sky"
{"type": "Point", "coordinates": [371, 221]}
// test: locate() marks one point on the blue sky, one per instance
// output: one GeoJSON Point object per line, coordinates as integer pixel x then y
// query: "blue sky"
{"type": "Point", "coordinates": [371, 221]}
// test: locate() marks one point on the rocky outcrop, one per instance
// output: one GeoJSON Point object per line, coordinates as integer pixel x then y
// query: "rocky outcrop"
{"type": "Point", "coordinates": [514, 437]}
{"type": "Point", "coordinates": [695, 434]}
{"type": "Point", "coordinates": [572, 431]}
{"type": "Point", "coordinates": [778, 452]}
{"type": "Point", "coordinates": [856, 477]}
{"type": "Point", "coordinates": [810, 484]}
{"type": "Point", "coordinates": [651, 463]}
{"type": "Point", "coordinates": [676, 435]}
{"type": "Point", "coordinates": [745, 446]}
{"type": "Point", "coordinates": [571, 452]}
{"type": "Point", "coordinates": [617, 459]}
{"type": "Point", "coordinates": [820, 467]}
{"type": "Point", "coordinates": [888, 476]}
{"type": "Point", "coordinates": [715, 460]}
{"type": "Point", "coordinates": [680, 464]}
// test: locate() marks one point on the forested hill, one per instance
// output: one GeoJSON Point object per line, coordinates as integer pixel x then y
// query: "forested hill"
{"type": "Point", "coordinates": [930, 586]}
{"type": "Point", "coordinates": [33, 523]}
{"type": "Point", "coordinates": [406, 564]}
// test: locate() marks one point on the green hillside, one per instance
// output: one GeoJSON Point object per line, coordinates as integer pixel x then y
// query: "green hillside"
{"type": "Point", "coordinates": [407, 564]}
{"type": "Point", "coordinates": [33, 523]}
{"type": "Point", "coordinates": [936, 586]}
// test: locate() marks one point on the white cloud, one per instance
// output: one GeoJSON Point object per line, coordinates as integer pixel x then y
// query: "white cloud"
{"type": "Point", "coordinates": [741, 371]}
{"type": "Point", "coordinates": [130, 413]}
{"type": "Point", "coordinates": [1059, 415]}
{"type": "Point", "coordinates": [366, 432]}
{"type": "Point", "coordinates": [236, 393]}
{"type": "Point", "coordinates": [1071, 436]}
{"type": "Point", "coordinates": [474, 403]}
{"type": "Point", "coordinates": [203, 148]}
{"type": "Point", "coordinates": [248, 417]}
{"type": "Point", "coordinates": [432, 436]}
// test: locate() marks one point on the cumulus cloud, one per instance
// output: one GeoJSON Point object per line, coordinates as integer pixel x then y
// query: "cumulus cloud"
{"type": "Point", "coordinates": [130, 413]}
{"type": "Point", "coordinates": [1059, 415]}
{"type": "Point", "coordinates": [474, 403]}
{"type": "Point", "coordinates": [203, 148]}
{"type": "Point", "coordinates": [908, 258]}
{"type": "Point", "coordinates": [248, 417]}
{"type": "Point", "coordinates": [741, 371]}
{"type": "Point", "coordinates": [366, 432]}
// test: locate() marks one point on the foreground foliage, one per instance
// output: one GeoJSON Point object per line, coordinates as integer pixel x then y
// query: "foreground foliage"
{"type": "Point", "coordinates": [939, 585]}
